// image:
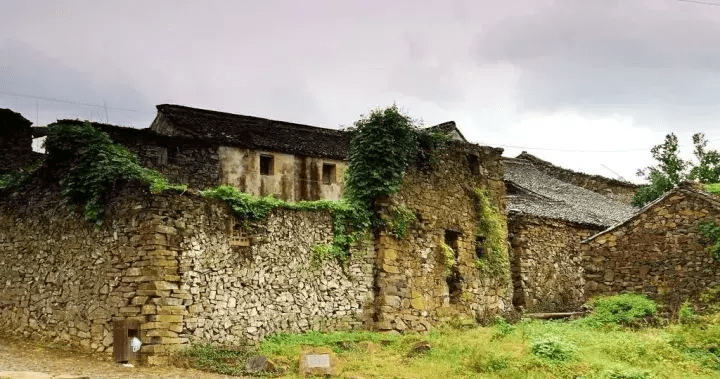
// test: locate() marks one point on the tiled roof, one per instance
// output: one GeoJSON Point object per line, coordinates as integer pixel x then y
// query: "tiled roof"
{"type": "Point", "coordinates": [449, 127]}
{"type": "Point", "coordinates": [253, 132]}
{"type": "Point", "coordinates": [531, 191]}
{"type": "Point", "coordinates": [686, 189]}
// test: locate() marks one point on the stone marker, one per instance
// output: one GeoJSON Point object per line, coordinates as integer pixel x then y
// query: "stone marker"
{"type": "Point", "coordinates": [258, 363]}
{"type": "Point", "coordinates": [318, 361]}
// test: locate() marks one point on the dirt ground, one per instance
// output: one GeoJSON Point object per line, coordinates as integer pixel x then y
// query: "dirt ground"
{"type": "Point", "coordinates": [17, 355]}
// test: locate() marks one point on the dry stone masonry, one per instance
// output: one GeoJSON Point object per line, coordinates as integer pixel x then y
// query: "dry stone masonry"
{"type": "Point", "coordinates": [659, 252]}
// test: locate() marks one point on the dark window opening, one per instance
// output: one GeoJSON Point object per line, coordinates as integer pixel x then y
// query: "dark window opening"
{"type": "Point", "coordinates": [328, 173]}
{"type": "Point", "coordinates": [451, 239]}
{"type": "Point", "coordinates": [454, 279]}
{"type": "Point", "coordinates": [266, 165]}
{"type": "Point", "coordinates": [479, 247]}
{"type": "Point", "coordinates": [473, 164]}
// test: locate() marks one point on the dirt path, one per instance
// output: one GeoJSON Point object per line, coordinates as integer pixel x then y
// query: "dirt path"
{"type": "Point", "coordinates": [16, 355]}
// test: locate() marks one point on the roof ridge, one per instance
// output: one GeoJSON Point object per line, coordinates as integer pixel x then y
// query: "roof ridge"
{"type": "Point", "coordinates": [216, 113]}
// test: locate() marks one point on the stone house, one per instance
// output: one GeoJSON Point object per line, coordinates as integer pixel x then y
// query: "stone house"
{"type": "Point", "coordinates": [658, 251]}
{"type": "Point", "coordinates": [171, 263]}
{"type": "Point", "coordinates": [547, 219]}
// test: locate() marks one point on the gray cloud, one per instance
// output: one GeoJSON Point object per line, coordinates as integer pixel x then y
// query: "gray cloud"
{"type": "Point", "coordinates": [658, 63]}
{"type": "Point", "coordinates": [25, 70]}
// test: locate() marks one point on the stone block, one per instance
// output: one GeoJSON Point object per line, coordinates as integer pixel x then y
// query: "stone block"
{"type": "Point", "coordinates": [318, 361]}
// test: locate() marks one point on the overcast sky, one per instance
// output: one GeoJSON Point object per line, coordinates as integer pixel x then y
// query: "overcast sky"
{"type": "Point", "coordinates": [588, 85]}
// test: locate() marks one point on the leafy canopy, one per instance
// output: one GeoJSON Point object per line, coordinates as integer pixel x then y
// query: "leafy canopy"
{"type": "Point", "coordinates": [671, 170]}
{"type": "Point", "coordinates": [382, 146]}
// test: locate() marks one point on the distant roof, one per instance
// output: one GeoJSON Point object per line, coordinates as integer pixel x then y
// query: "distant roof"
{"type": "Point", "coordinates": [532, 191]}
{"type": "Point", "coordinates": [551, 168]}
{"type": "Point", "coordinates": [685, 189]}
{"type": "Point", "coordinates": [250, 132]}
{"type": "Point", "coordinates": [449, 127]}
{"type": "Point", "coordinates": [11, 119]}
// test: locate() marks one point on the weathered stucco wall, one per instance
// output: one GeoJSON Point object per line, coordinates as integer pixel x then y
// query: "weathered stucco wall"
{"type": "Point", "coordinates": [414, 289]}
{"type": "Point", "coordinates": [291, 178]}
{"type": "Point", "coordinates": [271, 286]}
{"type": "Point", "coordinates": [659, 252]}
{"type": "Point", "coordinates": [547, 267]}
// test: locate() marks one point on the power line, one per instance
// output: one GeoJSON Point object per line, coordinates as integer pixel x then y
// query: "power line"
{"type": "Point", "coordinates": [64, 101]}
{"type": "Point", "coordinates": [700, 2]}
{"type": "Point", "coordinates": [585, 151]}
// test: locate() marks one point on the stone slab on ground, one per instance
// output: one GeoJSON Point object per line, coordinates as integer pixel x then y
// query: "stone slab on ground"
{"type": "Point", "coordinates": [318, 361]}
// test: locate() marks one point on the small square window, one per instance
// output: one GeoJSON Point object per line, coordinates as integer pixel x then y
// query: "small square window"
{"type": "Point", "coordinates": [267, 165]}
{"type": "Point", "coordinates": [328, 174]}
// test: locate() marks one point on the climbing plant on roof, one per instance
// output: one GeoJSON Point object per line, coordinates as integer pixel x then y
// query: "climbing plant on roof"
{"type": "Point", "coordinates": [88, 164]}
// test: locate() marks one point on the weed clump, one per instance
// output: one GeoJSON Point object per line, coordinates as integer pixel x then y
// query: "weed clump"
{"type": "Point", "coordinates": [554, 348]}
{"type": "Point", "coordinates": [625, 310]}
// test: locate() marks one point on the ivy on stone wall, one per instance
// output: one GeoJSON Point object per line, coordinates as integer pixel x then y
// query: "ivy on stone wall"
{"type": "Point", "coordinates": [349, 221]}
{"type": "Point", "coordinates": [88, 164]}
{"type": "Point", "coordinates": [382, 146]}
{"type": "Point", "coordinates": [711, 230]}
{"type": "Point", "coordinates": [491, 225]}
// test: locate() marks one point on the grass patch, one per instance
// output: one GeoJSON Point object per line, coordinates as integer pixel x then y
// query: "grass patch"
{"type": "Point", "coordinates": [528, 349]}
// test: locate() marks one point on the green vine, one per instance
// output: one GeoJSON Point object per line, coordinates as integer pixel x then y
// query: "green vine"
{"type": "Point", "coordinates": [349, 220]}
{"type": "Point", "coordinates": [711, 230]}
{"type": "Point", "coordinates": [401, 217]}
{"type": "Point", "coordinates": [88, 164]}
{"type": "Point", "coordinates": [382, 146]}
{"type": "Point", "coordinates": [491, 226]}
{"type": "Point", "coordinates": [449, 255]}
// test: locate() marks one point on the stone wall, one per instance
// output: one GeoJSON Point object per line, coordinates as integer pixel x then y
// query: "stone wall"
{"type": "Point", "coordinates": [414, 286]}
{"type": "Point", "coordinates": [615, 189]}
{"type": "Point", "coordinates": [166, 261]}
{"type": "Point", "coordinates": [181, 160]}
{"type": "Point", "coordinates": [63, 280]}
{"type": "Point", "coordinates": [271, 286]}
{"type": "Point", "coordinates": [658, 252]}
{"type": "Point", "coordinates": [547, 267]}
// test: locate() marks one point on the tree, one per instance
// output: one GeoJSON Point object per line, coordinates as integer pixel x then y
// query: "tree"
{"type": "Point", "coordinates": [708, 168]}
{"type": "Point", "coordinates": [671, 170]}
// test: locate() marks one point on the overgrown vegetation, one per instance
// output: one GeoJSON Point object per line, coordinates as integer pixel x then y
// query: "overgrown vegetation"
{"type": "Point", "coordinates": [670, 170]}
{"type": "Point", "coordinates": [449, 258]}
{"type": "Point", "coordinates": [382, 146]}
{"type": "Point", "coordinates": [349, 221]}
{"type": "Point", "coordinates": [625, 309]}
{"type": "Point", "coordinates": [88, 164]}
{"type": "Point", "coordinates": [528, 349]}
{"type": "Point", "coordinates": [491, 226]}
{"type": "Point", "coordinates": [711, 231]}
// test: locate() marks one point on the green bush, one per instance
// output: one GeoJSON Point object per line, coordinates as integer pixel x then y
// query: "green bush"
{"type": "Point", "coordinates": [88, 164]}
{"type": "Point", "coordinates": [492, 226]}
{"type": "Point", "coordinates": [621, 373]}
{"type": "Point", "coordinates": [502, 329]}
{"type": "Point", "coordinates": [711, 230]}
{"type": "Point", "coordinates": [553, 348]}
{"type": "Point", "coordinates": [625, 309]}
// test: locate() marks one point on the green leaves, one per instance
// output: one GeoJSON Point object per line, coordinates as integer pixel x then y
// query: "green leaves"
{"type": "Point", "coordinates": [89, 164]}
{"type": "Point", "coordinates": [382, 146]}
{"type": "Point", "coordinates": [350, 219]}
{"type": "Point", "coordinates": [710, 230]}
{"type": "Point", "coordinates": [670, 170]}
